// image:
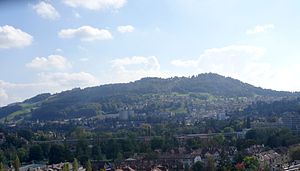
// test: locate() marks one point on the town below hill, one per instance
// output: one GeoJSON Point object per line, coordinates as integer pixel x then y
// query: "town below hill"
{"type": "Point", "coordinates": [203, 122]}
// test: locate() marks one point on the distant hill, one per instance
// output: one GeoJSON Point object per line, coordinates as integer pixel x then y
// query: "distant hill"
{"type": "Point", "coordinates": [110, 98]}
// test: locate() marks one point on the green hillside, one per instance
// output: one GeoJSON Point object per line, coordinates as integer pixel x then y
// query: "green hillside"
{"type": "Point", "coordinates": [109, 99]}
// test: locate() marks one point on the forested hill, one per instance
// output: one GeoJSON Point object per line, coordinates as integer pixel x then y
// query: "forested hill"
{"type": "Point", "coordinates": [213, 84]}
{"type": "Point", "coordinates": [109, 98]}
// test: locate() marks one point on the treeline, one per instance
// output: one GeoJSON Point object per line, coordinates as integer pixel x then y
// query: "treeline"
{"type": "Point", "coordinates": [262, 108]}
{"type": "Point", "coordinates": [270, 137]}
{"type": "Point", "coordinates": [125, 144]}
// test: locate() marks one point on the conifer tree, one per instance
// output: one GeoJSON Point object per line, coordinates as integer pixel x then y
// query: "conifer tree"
{"type": "Point", "coordinates": [88, 166]}
{"type": "Point", "coordinates": [16, 163]}
{"type": "Point", "coordinates": [75, 165]}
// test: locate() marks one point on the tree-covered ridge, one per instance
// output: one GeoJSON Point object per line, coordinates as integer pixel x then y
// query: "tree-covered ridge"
{"type": "Point", "coordinates": [157, 93]}
{"type": "Point", "coordinates": [206, 83]}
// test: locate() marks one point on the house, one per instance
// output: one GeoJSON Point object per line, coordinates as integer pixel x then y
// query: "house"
{"type": "Point", "coordinates": [33, 167]}
{"type": "Point", "coordinates": [270, 158]}
{"type": "Point", "coordinates": [292, 166]}
{"type": "Point", "coordinates": [197, 159]}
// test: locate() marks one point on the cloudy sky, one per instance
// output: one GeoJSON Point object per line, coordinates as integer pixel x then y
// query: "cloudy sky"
{"type": "Point", "coordinates": [55, 45]}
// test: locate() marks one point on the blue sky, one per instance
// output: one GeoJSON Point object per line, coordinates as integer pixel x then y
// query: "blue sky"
{"type": "Point", "coordinates": [51, 46]}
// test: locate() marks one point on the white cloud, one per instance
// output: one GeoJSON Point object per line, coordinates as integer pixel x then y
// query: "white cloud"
{"type": "Point", "coordinates": [76, 14]}
{"type": "Point", "coordinates": [136, 67]}
{"type": "Point", "coordinates": [46, 83]}
{"type": "Point", "coordinates": [11, 37]}
{"type": "Point", "coordinates": [46, 10]}
{"type": "Point", "coordinates": [238, 61]}
{"type": "Point", "coordinates": [260, 29]}
{"type": "Point", "coordinates": [245, 63]}
{"type": "Point", "coordinates": [52, 62]}
{"type": "Point", "coordinates": [3, 97]}
{"type": "Point", "coordinates": [68, 80]}
{"type": "Point", "coordinates": [86, 33]}
{"type": "Point", "coordinates": [96, 4]}
{"type": "Point", "coordinates": [53, 78]}
{"type": "Point", "coordinates": [225, 55]}
{"type": "Point", "coordinates": [58, 50]}
{"type": "Point", "coordinates": [125, 29]}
